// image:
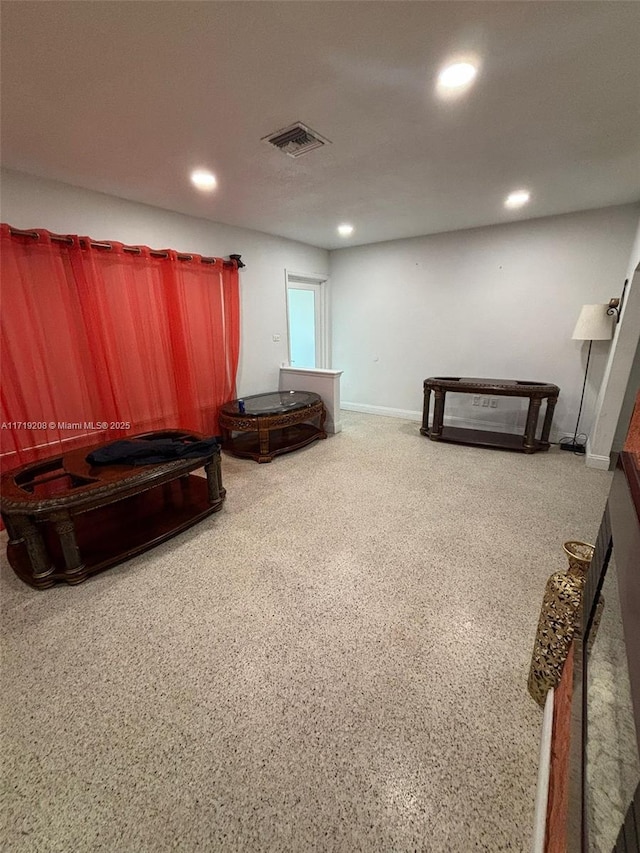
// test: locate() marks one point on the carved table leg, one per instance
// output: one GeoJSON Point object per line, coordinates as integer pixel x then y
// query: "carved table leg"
{"type": "Point", "coordinates": [438, 414]}
{"type": "Point", "coordinates": [530, 445]}
{"type": "Point", "coordinates": [66, 531]}
{"type": "Point", "coordinates": [323, 417]}
{"type": "Point", "coordinates": [263, 437]}
{"type": "Point", "coordinates": [212, 469]}
{"type": "Point", "coordinates": [218, 472]}
{"type": "Point", "coordinates": [548, 417]}
{"type": "Point", "coordinates": [41, 564]}
{"type": "Point", "coordinates": [15, 536]}
{"type": "Point", "coordinates": [424, 429]}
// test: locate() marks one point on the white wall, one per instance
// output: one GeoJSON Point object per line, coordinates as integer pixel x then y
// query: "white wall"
{"type": "Point", "coordinates": [495, 302]}
{"type": "Point", "coordinates": [30, 202]}
{"type": "Point", "coordinates": [620, 381]}
{"type": "Point", "coordinates": [628, 403]}
{"type": "Point", "coordinates": [499, 301]}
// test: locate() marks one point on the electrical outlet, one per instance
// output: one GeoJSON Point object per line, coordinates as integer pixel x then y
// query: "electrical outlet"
{"type": "Point", "coordinates": [276, 339]}
{"type": "Point", "coordinates": [476, 399]}
{"type": "Point", "coordinates": [494, 403]}
{"type": "Point", "coordinates": [485, 401]}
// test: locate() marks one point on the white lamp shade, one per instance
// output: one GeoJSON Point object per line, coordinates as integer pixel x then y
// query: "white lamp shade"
{"type": "Point", "coordinates": [593, 324]}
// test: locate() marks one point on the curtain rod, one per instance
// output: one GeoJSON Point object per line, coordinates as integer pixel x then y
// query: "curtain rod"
{"type": "Point", "coordinates": [134, 250]}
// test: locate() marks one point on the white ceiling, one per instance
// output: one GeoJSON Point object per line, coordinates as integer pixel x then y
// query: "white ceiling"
{"type": "Point", "coordinates": [127, 98]}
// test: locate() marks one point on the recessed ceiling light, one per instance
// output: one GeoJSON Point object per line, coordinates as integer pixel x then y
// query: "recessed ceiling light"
{"type": "Point", "coordinates": [456, 76]}
{"type": "Point", "coordinates": [345, 230]}
{"type": "Point", "coordinates": [203, 180]}
{"type": "Point", "coordinates": [517, 198]}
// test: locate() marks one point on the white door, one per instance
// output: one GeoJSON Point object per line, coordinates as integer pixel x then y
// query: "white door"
{"type": "Point", "coordinates": [306, 321]}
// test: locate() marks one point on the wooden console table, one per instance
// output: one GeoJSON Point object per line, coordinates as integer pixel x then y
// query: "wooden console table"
{"type": "Point", "coordinates": [536, 392]}
{"type": "Point", "coordinates": [263, 425]}
{"type": "Point", "coordinates": [67, 519]}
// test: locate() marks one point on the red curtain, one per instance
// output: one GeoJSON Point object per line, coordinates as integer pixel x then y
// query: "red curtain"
{"type": "Point", "coordinates": [99, 343]}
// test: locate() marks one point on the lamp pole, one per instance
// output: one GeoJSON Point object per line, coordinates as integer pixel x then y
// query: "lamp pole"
{"type": "Point", "coordinates": [594, 324]}
{"type": "Point", "coordinates": [574, 446]}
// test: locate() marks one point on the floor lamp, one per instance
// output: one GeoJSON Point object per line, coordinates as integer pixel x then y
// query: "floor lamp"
{"type": "Point", "coordinates": [593, 325]}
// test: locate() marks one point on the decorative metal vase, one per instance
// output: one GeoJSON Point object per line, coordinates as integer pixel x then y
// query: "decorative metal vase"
{"type": "Point", "coordinates": [559, 617]}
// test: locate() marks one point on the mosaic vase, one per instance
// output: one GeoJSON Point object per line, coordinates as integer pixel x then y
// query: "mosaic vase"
{"type": "Point", "coordinates": [560, 616]}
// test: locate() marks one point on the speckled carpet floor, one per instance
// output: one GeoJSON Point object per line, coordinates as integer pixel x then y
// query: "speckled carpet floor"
{"type": "Point", "coordinates": [335, 662]}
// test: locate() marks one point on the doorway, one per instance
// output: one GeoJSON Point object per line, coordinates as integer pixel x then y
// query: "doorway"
{"type": "Point", "coordinates": [307, 320]}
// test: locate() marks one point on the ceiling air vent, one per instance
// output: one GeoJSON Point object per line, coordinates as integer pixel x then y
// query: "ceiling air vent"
{"type": "Point", "coordinates": [296, 140]}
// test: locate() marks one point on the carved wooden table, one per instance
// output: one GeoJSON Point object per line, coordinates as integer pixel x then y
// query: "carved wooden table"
{"type": "Point", "coordinates": [536, 392]}
{"type": "Point", "coordinates": [263, 425]}
{"type": "Point", "coordinates": [67, 519]}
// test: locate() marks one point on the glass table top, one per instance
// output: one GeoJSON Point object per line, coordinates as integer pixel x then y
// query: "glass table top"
{"type": "Point", "coordinates": [273, 403]}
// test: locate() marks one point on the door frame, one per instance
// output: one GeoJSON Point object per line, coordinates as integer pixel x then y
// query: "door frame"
{"type": "Point", "coordinates": [320, 284]}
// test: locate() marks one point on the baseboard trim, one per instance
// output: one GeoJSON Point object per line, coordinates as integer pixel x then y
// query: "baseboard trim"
{"type": "Point", "coordinates": [593, 460]}
{"type": "Point", "coordinates": [411, 415]}
{"type": "Point", "coordinates": [469, 423]}
{"type": "Point", "coordinates": [383, 411]}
